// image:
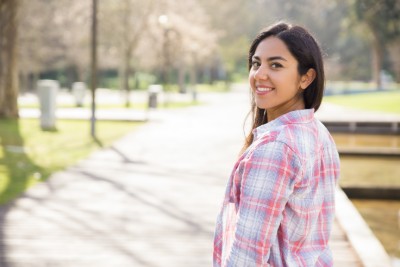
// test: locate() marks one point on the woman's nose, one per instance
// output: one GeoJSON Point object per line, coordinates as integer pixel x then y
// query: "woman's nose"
{"type": "Point", "coordinates": [261, 74]}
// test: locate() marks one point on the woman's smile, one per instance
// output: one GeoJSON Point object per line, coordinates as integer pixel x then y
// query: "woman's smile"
{"type": "Point", "coordinates": [263, 89]}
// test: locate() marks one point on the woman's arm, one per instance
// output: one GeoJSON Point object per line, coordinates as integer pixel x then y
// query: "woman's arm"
{"type": "Point", "coordinates": [268, 179]}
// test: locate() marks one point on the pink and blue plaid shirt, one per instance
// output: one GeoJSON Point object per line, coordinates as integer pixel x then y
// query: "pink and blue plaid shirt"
{"type": "Point", "coordinates": [279, 203]}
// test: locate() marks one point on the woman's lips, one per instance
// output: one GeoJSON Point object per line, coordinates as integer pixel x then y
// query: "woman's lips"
{"type": "Point", "coordinates": [262, 90]}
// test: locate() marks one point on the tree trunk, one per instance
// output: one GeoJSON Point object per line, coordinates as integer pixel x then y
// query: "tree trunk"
{"type": "Point", "coordinates": [23, 82]}
{"type": "Point", "coordinates": [394, 51]}
{"type": "Point", "coordinates": [376, 58]}
{"type": "Point", "coordinates": [193, 77]}
{"type": "Point", "coordinates": [34, 80]}
{"type": "Point", "coordinates": [181, 76]}
{"type": "Point", "coordinates": [126, 52]}
{"type": "Point", "coordinates": [125, 69]}
{"type": "Point", "coordinates": [8, 57]}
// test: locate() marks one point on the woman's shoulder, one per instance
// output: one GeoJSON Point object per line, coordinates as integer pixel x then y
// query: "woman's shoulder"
{"type": "Point", "coordinates": [301, 138]}
{"type": "Point", "coordinates": [272, 143]}
{"type": "Point", "coordinates": [306, 137]}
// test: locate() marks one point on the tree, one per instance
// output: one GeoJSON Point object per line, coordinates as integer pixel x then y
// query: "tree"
{"type": "Point", "coordinates": [250, 17]}
{"type": "Point", "coordinates": [234, 34]}
{"type": "Point", "coordinates": [8, 58]}
{"type": "Point", "coordinates": [382, 19]}
{"type": "Point", "coordinates": [394, 52]}
{"type": "Point", "coordinates": [123, 24]}
{"type": "Point", "coordinates": [190, 40]}
{"type": "Point", "coordinates": [55, 39]}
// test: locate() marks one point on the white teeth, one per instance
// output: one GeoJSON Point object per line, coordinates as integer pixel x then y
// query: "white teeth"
{"type": "Point", "coordinates": [264, 89]}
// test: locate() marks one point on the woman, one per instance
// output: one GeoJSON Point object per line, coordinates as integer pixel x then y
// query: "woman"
{"type": "Point", "coordinates": [279, 204]}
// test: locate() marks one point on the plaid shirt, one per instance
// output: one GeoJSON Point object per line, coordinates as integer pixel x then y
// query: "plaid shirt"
{"type": "Point", "coordinates": [279, 203]}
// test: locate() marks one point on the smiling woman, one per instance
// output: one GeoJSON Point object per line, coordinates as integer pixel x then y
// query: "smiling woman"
{"type": "Point", "coordinates": [279, 203]}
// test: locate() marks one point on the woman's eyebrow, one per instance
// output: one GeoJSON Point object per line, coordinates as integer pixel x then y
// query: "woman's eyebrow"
{"type": "Point", "coordinates": [276, 58]}
{"type": "Point", "coordinates": [270, 58]}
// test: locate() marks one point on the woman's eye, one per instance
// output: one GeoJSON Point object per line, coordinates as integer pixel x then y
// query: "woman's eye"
{"type": "Point", "coordinates": [255, 64]}
{"type": "Point", "coordinates": [276, 65]}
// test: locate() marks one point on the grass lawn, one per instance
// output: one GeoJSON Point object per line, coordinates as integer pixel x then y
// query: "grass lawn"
{"type": "Point", "coordinates": [374, 101]}
{"type": "Point", "coordinates": [29, 155]}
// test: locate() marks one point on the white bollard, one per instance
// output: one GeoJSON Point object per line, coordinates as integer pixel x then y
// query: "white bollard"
{"type": "Point", "coordinates": [79, 91]}
{"type": "Point", "coordinates": [47, 92]}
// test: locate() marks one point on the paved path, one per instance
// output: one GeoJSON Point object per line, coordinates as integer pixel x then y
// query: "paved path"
{"type": "Point", "coordinates": [149, 200]}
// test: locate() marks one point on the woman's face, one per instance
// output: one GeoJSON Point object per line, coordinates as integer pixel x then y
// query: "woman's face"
{"type": "Point", "coordinates": [274, 78]}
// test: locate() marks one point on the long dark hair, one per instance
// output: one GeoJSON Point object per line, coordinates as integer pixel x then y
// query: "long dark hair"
{"type": "Point", "coordinates": [307, 52]}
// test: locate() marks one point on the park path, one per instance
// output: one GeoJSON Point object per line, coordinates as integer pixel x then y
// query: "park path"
{"type": "Point", "coordinates": [149, 200]}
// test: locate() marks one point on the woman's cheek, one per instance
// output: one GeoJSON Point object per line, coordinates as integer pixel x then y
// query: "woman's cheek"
{"type": "Point", "coordinates": [251, 79]}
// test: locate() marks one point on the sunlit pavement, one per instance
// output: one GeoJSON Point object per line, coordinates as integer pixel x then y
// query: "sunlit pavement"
{"type": "Point", "coordinates": [150, 200]}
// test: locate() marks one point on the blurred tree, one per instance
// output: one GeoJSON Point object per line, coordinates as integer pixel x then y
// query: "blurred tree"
{"type": "Point", "coordinates": [210, 41]}
{"type": "Point", "coordinates": [382, 19]}
{"type": "Point", "coordinates": [177, 41]}
{"type": "Point", "coordinates": [251, 16]}
{"type": "Point", "coordinates": [341, 40]}
{"type": "Point", "coordinates": [394, 51]}
{"type": "Point", "coordinates": [54, 40]}
{"type": "Point", "coordinates": [325, 23]}
{"type": "Point", "coordinates": [234, 27]}
{"type": "Point", "coordinates": [192, 40]}
{"type": "Point", "coordinates": [123, 24]}
{"type": "Point", "coordinates": [57, 41]}
{"type": "Point", "coordinates": [8, 58]}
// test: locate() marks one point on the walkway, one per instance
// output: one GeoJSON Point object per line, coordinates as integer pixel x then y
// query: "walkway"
{"type": "Point", "coordinates": [149, 200]}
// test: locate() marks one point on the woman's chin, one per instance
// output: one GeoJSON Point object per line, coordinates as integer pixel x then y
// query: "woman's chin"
{"type": "Point", "coordinates": [261, 105]}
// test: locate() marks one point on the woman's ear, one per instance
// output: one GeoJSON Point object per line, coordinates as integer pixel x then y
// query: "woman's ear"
{"type": "Point", "coordinates": [307, 78]}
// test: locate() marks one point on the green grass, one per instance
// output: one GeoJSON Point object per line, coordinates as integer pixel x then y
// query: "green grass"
{"type": "Point", "coordinates": [345, 86]}
{"type": "Point", "coordinates": [375, 101]}
{"type": "Point", "coordinates": [29, 155]}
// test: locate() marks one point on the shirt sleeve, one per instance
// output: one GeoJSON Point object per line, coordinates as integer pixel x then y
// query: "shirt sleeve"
{"type": "Point", "coordinates": [269, 174]}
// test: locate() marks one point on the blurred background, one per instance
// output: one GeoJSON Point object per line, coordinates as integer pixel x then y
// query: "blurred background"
{"type": "Point", "coordinates": [136, 40]}
{"type": "Point", "coordinates": [163, 54]}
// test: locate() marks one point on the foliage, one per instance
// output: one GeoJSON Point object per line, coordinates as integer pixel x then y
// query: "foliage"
{"type": "Point", "coordinates": [234, 55]}
{"type": "Point", "coordinates": [127, 29]}
{"type": "Point", "coordinates": [210, 42]}
{"type": "Point", "coordinates": [382, 20]}
{"type": "Point", "coordinates": [382, 17]}
{"type": "Point", "coordinates": [55, 39]}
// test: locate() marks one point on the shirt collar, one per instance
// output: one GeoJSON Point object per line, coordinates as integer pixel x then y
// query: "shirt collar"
{"type": "Point", "coordinates": [296, 116]}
